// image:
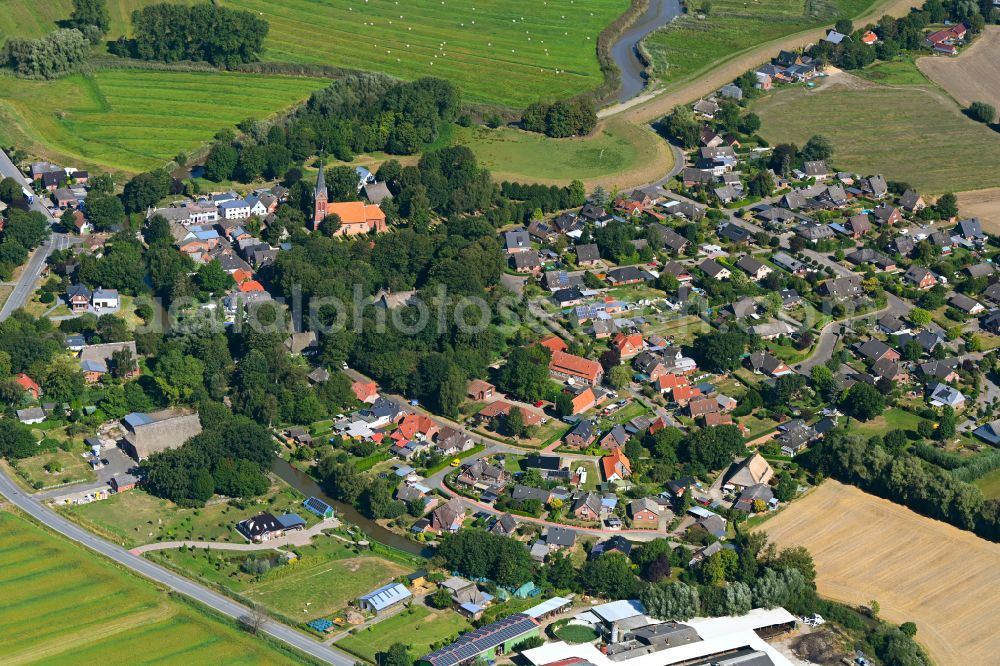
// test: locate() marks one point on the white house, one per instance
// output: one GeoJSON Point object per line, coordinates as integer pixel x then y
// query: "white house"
{"type": "Point", "coordinates": [257, 207]}
{"type": "Point", "coordinates": [105, 299]}
{"type": "Point", "coordinates": [31, 416]}
{"type": "Point", "coordinates": [237, 209]}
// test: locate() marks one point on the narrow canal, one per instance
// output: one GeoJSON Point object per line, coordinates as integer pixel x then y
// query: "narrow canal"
{"type": "Point", "coordinates": [625, 52]}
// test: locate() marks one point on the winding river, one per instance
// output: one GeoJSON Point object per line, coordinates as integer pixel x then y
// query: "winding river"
{"type": "Point", "coordinates": [625, 51]}
{"type": "Point", "coordinates": [306, 485]}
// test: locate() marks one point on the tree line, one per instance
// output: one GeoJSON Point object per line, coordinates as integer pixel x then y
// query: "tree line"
{"type": "Point", "coordinates": [904, 478]}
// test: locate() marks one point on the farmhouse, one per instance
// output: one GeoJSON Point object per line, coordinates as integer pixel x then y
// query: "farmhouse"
{"type": "Point", "coordinates": [569, 367]}
{"type": "Point", "coordinates": [146, 434]}
{"type": "Point", "coordinates": [751, 471]}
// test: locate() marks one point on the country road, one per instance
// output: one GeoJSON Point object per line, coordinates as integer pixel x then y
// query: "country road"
{"type": "Point", "coordinates": [139, 565]}
{"type": "Point", "coordinates": [25, 285]}
{"type": "Point", "coordinates": [657, 103]}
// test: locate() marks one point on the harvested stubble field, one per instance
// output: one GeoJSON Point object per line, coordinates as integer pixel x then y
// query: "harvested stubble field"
{"type": "Point", "coordinates": [918, 569]}
{"type": "Point", "coordinates": [64, 605]}
{"type": "Point", "coordinates": [132, 120]}
{"type": "Point", "coordinates": [973, 76]}
{"type": "Point", "coordinates": [511, 52]}
{"type": "Point", "coordinates": [894, 130]}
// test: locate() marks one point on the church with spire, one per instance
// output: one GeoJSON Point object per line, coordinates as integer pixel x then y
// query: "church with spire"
{"type": "Point", "coordinates": [356, 217]}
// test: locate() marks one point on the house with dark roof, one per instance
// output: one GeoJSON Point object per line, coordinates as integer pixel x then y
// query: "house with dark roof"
{"type": "Point", "coordinates": [757, 270]}
{"type": "Point", "coordinates": [587, 506]}
{"type": "Point", "coordinates": [587, 255]}
{"type": "Point", "coordinates": [766, 364]}
{"type": "Point", "coordinates": [625, 275]}
{"type": "Point", "coordinates": [736, 234]}
{"type": "Point", "coordinates": [912, 201]}
{"type": "Point", "coordinates": [668, 238]}
{"type": "Point", "coordinates": [920, 277]}
{"type": "Point", "coordinates": [714, 270]}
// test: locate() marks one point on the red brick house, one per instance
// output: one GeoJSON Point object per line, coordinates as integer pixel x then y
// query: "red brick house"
{"type": "Point", "coordinates": [616, 466]}
{"type": "Point", "coordinates": [29, 385]}
{"type": "Point", "coordinates": [627, 346]}
{"type": "Point", "coordinates": [567, 366]}
{"type": "Point", "coordinates": [645, 512]}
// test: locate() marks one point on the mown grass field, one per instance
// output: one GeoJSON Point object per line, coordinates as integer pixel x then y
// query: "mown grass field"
{"type": "Point", "coordinates": [511, 52]}
{"type": "Point", "coordinates": [918, 569]}
{"type": "Point", "coordinates": [417, 627]}
{"type": "Point", "coordinates": [133, 120]}
{"type": "Point", "coordinates": [328, 574]}
{"type": "Point", "coordinates": [990, 484]}
{"type": "Point", "coordinates": [64, 605]}
{"type": "Point", "coordinates": [691, 44]}
{"type": "Point", "coordinates": [30, 18]}
{"type": "Point", "coordinates": [912, 133]}
{"type": "Point", "coordinates": [616, 152]}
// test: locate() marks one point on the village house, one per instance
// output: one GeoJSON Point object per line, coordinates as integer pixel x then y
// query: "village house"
{"type": "Point", "coordinates": [29, 385]}
{"type": "Point", "coordinates": [751, 471]}
{"type": "Point", "coordinates": [616, 466]}
{"type": "Point", "coordinates": [479, 390]}
{"type": "Point", "coordinates": [764, 363]}
{"type": "Point", "coordinates": [587, 506]}
{"type": "Point", "coordinates": [627, 347]}
{"type": "Point", "coordinates": [569, 367]}
{"type": "Point", "coordinates": [920, 277]}
{"type": "Point", "coordinates": [581, 435]}
{"type": "Point", "coordinates": [757, 270]}
{"type": "Point", "coordinates": [714, 270]}
{"type": "Point", "coordinates": [96, 361]}
{"type": "Point", "coordinates": [645, 512]}
{"type": "Point", "coordinates": [448, 517]}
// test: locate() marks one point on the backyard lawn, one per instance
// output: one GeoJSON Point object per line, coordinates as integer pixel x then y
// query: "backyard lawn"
{"type": "Point", "coordinates": [418, 627]}
{"type": "Point", "coordinates": [134, 518]}
{"type": "Point", "coordinates": [66, 467]}
{"type": "Point", "coordinates": [989, 484]}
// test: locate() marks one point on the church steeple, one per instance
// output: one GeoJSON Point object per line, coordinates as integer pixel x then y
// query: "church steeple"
{"type": "Point", "coordinates": [320, 197]}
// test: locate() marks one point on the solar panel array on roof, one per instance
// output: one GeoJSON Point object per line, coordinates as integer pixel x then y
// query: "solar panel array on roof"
{"type": "Point", "coordinates": [480, 640]}
{"type": "Point", "coordinates": [318, 506]}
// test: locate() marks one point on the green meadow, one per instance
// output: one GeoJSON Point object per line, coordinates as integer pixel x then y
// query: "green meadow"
{"type": "Point", "coordinates": [134, 120]}
{"type": "Point", "coordinates": [510, 52]}
{"type": "Point", "coordinates": [63, 604]}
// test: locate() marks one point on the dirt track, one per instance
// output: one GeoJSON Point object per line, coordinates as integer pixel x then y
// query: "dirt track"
{"type": "Point", "coordinates": [973, 76]}
{"type": "Point", "coordinates": [918, 569]}
{"type": "Point", "coordinates": [706, 83]}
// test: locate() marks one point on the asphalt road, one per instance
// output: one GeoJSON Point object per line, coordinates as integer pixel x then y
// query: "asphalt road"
{"type": "Point", "coordinates": [213, 600]}
{"type": "Point", "coordinates": [25, 285]}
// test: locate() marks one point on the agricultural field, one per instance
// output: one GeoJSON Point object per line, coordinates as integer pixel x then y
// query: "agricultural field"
{"type": "Point", "coordinates": [136, 518]}
{"type": "Point", "coordinates": [989, 484]}
{"type": "Point", "coordinates": [984, 204]}
{"type": "Point", "coordinates": [29, 18]}
{"type": "Point", "coordinates": [510, 52]}
{"type": "Point", "coordinates": [974, 76]}
{"type": "Point", "coordinates": [328, 574]}
{"type": "Point", "coordinates": [869, 548]}
{"type": "Point", "coordinates": [617, 153]}
{"type": "Point", "coordinates": [133, 120]}
{"type": "Point", "coordinates": [897, 131]}
{"type": "Point", "coordinates": [63, 605]}
{"type": "Point", "coordinates": [418, 627]}
{"type": "Point", "coordinates": [695, 43]}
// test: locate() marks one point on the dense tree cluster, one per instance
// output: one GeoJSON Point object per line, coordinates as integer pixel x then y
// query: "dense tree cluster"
{"type": "Point", "coordinates": [231, 457]}
{"type": "Point", "coordinates": [480, 554]}
{"type": "Point", "coordinates": [357, 114]}
{"type": "Point", "coordinates": [573, 117]}
{"type": "Point", "coordinates": [202, 32]}
{"type": "Point", "coordinates": [22, 232]}
{"type": "Point", "coordinates": [57, 53]}
{"type": "Point", "coordinates": [905, 478]}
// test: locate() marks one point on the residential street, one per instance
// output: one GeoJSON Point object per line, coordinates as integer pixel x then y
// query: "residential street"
{"type": "Point", "coordinates": [138, 564]}
{"type": "Point", "coordinates": [25, 285]}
